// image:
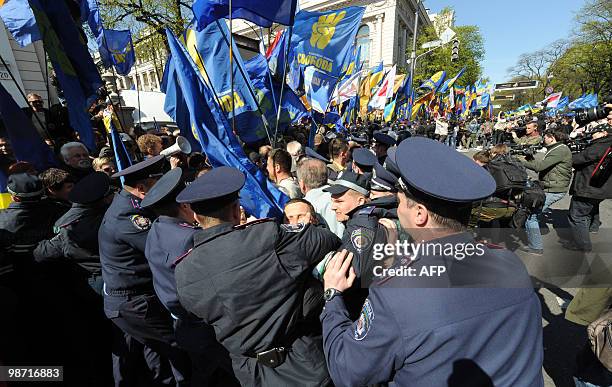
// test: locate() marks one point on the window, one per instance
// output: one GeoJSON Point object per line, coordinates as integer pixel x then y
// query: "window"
{"type": "Point", "coordinates": [363, 40]}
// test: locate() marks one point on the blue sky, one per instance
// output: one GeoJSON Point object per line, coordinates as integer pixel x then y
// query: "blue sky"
{"type": "Point", "coordinates": [512, 27]}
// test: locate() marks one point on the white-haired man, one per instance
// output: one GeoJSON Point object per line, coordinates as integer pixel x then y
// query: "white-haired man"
{"type": "Point", "coordinates": [76, 159]}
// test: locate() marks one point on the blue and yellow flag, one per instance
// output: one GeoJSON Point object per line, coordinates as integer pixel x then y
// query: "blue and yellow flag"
{"type": "Point", "coordinates": [19, 20]}
{"type": "Point", "coordinates": [77, 74]}
{"type": "Point", "coordinates": [211, 45]}
{"type": "Point", "coordinates": [434, 82]}
{"type": "Point", "coordinates": [211, 128]}
{"type": "Point", "coordinates": [175, 106]}
{"type": "Point", "coordinates": [249, 124]}
{"type": "Point", "coordinates": [324, 39]}
{"type": "Point", "coordinates": [376, 76]}
{"type": "Point", "coordinates": [319, 88]}
{"type": "Point", "coordinates": [389, 111]}
{"type": "Point", "coordinates": [261, 12]}
{"type": "Point", "coordinates": [117, 50]}
{"type": "Point", "coordinates": [355, 64]}
{"type": "Point", "coordinates": [450, 82]}
{"type": "Point", "coordinates": [90, 14]}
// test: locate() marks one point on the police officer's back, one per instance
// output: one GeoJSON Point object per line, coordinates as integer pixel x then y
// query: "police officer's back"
{"type": "Point", "coordinates": [248, 282]}
{"type": "Point", "coordinates": [477, 321]}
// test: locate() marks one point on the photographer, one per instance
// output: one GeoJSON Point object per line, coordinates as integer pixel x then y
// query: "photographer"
{"type": "Point", "coordinates": [532, 136]}
{"type": "Point", "coordinates": [584, 207]}
{"type": "Point", "coordinates": [554, 174]}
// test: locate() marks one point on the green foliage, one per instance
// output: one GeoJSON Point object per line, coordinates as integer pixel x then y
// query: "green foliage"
{"type": "Point", "coordinates": [471, 55]}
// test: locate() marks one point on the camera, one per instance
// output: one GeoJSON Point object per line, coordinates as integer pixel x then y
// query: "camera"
{"type": "Point", "coordinates": [524, 150]}
{"type": "Point", "coordinates": [585, 116]}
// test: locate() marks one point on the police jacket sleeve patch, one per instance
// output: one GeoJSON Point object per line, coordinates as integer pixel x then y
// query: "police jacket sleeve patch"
{"type": "Point", "coordinates": [363, 324]}
{"type": "Point", "coordinates": [361, 239]}
{"type": "Point", "coordinates": [141, 222]}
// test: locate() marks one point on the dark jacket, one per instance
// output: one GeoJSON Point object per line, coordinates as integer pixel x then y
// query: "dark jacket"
{"type": "Point", "coordinates": [555, 169]}
{"type": "Point", "coordinates": [584, 164]}
{"type": "Point", "coordinates": [248, 282]}
{"type": "Point", "coordinates": [76, 239]}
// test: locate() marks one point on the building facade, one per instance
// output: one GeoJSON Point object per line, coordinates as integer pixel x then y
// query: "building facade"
{"type": "Point", "coordinates": [28, 67]}
{"type": "Point", "coordinates": [385, 33]}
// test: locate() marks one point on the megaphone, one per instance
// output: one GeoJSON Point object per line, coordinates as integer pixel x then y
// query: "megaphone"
{"type": "Point", "coordinates": [181, 145]}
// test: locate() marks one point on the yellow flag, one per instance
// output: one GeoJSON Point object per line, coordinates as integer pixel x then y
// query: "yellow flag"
{"type": "Point", "coordinates": [399, 81]}
{"type": "Point", "coordinates": [365, 92]}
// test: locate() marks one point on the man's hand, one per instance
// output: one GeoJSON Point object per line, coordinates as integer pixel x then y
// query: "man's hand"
{"type": "Point", "coordinates": [175, 162]}
{"type": "Point", "coordinates": [336, 272]}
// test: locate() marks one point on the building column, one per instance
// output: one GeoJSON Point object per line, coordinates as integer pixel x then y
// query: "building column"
{"type": "Point", "coordinates": [379, 30]}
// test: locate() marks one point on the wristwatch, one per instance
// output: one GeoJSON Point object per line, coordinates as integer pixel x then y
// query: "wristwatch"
{"type": "Point", "coordinates": [331, 293]}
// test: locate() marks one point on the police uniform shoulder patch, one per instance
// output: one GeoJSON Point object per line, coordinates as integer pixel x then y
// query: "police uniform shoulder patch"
{"type": "Point", "coordinates": [141, 222]}
{"type": "Point", "coordinates": [361, 239]}
{"type": "Point", "coordinates": [293, 227]}
{"type": "Point", "coordinates": [187, 225]}
{"type": "Point", "coordinates": [366, 210]}
{"type": "Point", "coordinates": [363, 324]}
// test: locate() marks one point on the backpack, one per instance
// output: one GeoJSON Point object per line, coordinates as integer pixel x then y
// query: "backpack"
{"type": "Point", "coordinates": [509, 174]}
{"type": "Point", "coordinates": [529, 201]}
{"type": "Point", "coordinates": [600, 337]}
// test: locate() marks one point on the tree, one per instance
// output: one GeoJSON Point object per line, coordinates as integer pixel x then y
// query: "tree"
{"type": "Point", "coordinates": [471, 54]}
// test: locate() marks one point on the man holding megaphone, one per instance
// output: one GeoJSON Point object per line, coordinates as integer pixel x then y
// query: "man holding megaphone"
{"type": "Point", "coordinates": [150, 145]}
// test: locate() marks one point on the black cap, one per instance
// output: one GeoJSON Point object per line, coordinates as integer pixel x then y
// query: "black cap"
{"type": "Point", "coordinates": [383, 138]}
{"type": "Point", "coordinates": [165, 189]}
{"type": "Point", "coordinates": [90, 189]}
{"type": "Point", "coordinates": [24, 185]}
{"type": "Point", "coordinates": [364, 157]}
{"type": "Point", "coordinates": [150, 168]}
{"type": "Point", "coordinates": [313, 154]}
{"type": "Point", "coordinates": [383, 180]}
{"type": "Point", "coordinates": [349, 180]}
{"type": "Point", "coordinates": [433, 169]}
{"type": "Point", "coordinates": [216, 184]}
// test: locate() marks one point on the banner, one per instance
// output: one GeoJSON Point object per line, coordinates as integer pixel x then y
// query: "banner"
{"type": "Point", "coordinates": [434, 82]}
{"type": "Point", "coordinates": [319, 88]}
{"type": "Point", "coordinates": [117, 50]}
{"type": "Point", "coordinates": [384, 92]}
{"type": "Point", "coordinates": [19, 20]}
{"type": "Point", "coordinates": [451, 82]}
{"type": "Point", "coordinates": [324, 40]}
{"type": "Point", "coordinates": [348, 88]}
{"type": "Point", "coordinates": [259, 196]}
{"type": "Point", "coordinates": [261, 12]}
{"type": "Point", "coordinates": [77, 74]}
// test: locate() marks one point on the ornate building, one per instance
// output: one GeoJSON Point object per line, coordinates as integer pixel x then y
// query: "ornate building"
{"type": "Point", "coordinates": [386, 31]}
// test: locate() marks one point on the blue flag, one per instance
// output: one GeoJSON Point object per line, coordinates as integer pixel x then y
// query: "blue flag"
{"type": "Point", "coordinates": [259, 196]}
{"type": "Point", "coordinates": [25, 140]}
{"type": "Point", "coordinates": [277, 58]}
{"type": "Point", "coordinates": [90, 14]}
{"type": "Point", "coordinates": [175, 105]}
{"type": "Point", "coordinates": [122, 157]}
{"type": "Point", "coordinates": [117, 49]}
{"type": "Point", "coordinates": [249, 124]}
{"type": "Point", "coordinates": [450, 82]}
{"type": "Point", "coordinates": [211, 45]}
{"type": "Point", "coordinates": [319, 88]}
{"type": "Point", "coordinates": [261, 12]}
{"type": "Point", "coordinates": [19, 20]}
{"type": "Point", "coordinates": [325, 40]}
{"type": "Point", "coordinates": [74, 68]}
{"type": "Point", "coordinates": [434, 82]}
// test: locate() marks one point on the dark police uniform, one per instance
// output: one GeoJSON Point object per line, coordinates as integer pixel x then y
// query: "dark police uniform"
{"type": "Point", "coordinates": [168, 239]}
{"type": "Point", "coordinates": [364, 159]}
{"type": "Point", "coordinates": [249, 282]}
{"type": "Point", "coordinates": [76, 236]}
{"type": "Point", "coordinates": [129, 298]}
{"type": "Point", "coordinates": [417, 330]}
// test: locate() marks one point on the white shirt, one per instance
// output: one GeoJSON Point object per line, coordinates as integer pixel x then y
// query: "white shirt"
{"type": "Point", "coordinates": [321, 201]}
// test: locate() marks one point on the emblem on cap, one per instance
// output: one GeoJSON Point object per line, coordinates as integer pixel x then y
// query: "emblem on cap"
{"type": "Point", "coordinates": [140, 222]}
{"type": "Point", "coordinates": [362, 327]}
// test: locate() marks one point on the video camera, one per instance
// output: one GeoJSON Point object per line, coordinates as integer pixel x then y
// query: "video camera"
{"type": "Point", "coordinates": [586, 116]}
{"type": "Point", "coordinates": [524, 150]}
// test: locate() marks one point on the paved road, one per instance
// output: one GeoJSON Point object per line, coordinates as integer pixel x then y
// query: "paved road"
{"type": "Point", "coordinates": [567, 271]}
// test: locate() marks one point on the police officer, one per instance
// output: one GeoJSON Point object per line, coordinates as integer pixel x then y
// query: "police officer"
{"type": "Point", "coordinates": [76, 236]}
{"type": "Point", "coordinates": [171, 236]}
{"type": "Point", "coordinates": [129, 299]}
{"type": "Point", "coordinates": [364, 229]}
{"type": "Point", "coordinates": [363, 161]}
{"type": "Point", "coordinates": [76, 245]}
{"type": "Point", "coordinates": [251, 283]}
{"type": "Point", "coordinates": [413, 329]}
{"type": "Point", "coordinates": [382, 142]}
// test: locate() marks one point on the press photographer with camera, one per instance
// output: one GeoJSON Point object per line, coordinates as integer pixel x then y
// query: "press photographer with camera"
{"type": "Point", "coordinates": [554, 175]}
{"type": "Point", "coordinates": [584, 206]}
{"type": "Point", "coordinates": [532, 134]}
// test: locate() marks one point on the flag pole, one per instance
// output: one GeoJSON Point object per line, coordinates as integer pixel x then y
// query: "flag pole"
{"type": "Point", "coordinates": [268, 71]}
{"type": "Point", "coordinates": [246, 80]}
{"type": "Point", "coordinates": [231, 52]}
{"type": "Point", "coordinates": [23, 95]}
{"type": "Point", "coordinates": [280, 100]}
{"type": "Point", "coordinates": [137, 83]}
{"type": "Point", "coordinates": [47, 83]}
